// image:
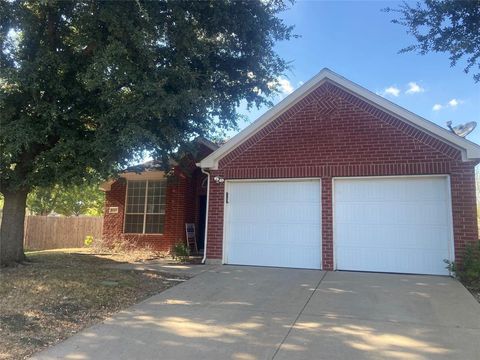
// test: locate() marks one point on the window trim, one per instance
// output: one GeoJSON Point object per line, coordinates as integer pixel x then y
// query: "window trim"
{"type": "Point", "coordinates": [144, 209]}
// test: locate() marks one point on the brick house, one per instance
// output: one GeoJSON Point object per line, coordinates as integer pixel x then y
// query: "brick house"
{"type": "Point", "coordinates": [147, 205]}
{"type": "Point", "coordinates": [332, 177]}
{"type": "Point", "coordinates": [337, 177]}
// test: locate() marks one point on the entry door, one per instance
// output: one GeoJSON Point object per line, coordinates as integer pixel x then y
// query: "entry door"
{"type": "Point", "coordinates": [398, 224]}
{"type": "Point", "coordinates": [273, 223]}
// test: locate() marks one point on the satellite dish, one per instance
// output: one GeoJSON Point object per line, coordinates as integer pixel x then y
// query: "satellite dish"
{"type": "Point", "coordinates": [462, 130]}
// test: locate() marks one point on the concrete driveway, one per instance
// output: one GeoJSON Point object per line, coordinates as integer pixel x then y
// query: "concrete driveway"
{"type": "Point", "coordinates": [246, 313]}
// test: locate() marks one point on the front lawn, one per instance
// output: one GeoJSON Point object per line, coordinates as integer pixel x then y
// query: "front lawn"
{"type": "Point", "coordinates": [62, 292]}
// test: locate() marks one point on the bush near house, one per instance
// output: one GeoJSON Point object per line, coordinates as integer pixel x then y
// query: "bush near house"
{"type": "Point", "coordinates": [469, 271]}
{"type": "Point", "coordinates": [180, 251]}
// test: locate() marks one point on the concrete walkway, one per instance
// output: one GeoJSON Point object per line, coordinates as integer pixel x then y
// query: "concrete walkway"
{"type": "Point", "coordinates": [248, 313]}
{"type": "Point", "coordinates": [166, 265]}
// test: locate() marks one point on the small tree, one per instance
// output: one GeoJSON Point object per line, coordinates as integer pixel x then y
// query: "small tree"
{"type": "Point", "coordinates": [42, 201]}
{"type": "Point", "coordinates": [85, 199]}
{"type": "Point", "coordinates": [447, 26]}
{"type": "Point", "coordinates": [87, 85]}
{"type": "Point", "coordinates": [80, 200]}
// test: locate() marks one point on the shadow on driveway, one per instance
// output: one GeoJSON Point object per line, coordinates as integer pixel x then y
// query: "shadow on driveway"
{"type": "Point", "coordinates": [246, 313]}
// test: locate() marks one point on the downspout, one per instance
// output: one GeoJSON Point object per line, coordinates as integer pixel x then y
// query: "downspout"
{"type": "Point", "coordinates": [205, 237]}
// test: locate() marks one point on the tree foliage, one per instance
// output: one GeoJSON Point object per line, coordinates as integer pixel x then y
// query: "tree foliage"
{"type": "Point", "coordinates": [87, 85]}
{"type": "Point", "coordinates": [73, 200]}
{"type": "Point", "coordinates": [446, 26]}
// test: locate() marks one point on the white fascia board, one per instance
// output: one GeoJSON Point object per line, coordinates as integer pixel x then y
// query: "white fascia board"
{"type": "Point", "coordinates": [470, 150]}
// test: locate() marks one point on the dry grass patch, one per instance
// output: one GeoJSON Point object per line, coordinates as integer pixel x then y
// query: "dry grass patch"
{"type": "Point", "coordinates": [62, 292]}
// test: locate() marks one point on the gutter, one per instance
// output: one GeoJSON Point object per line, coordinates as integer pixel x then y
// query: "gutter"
{"type": "Point", "coordinates": [205, 233]}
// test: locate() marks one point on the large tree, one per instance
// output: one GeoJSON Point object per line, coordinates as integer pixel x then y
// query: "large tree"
{"type": "Point", "coordinates": [85, 86]}
{"type": "Point", "coordinates": [446, 26]}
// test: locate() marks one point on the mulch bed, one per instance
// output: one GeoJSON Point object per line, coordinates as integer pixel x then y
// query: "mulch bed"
{"type": "Point", "coordinates": [59, 293]}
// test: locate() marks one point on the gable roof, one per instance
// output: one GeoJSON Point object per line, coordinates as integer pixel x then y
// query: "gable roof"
{"type": "Point", "coordinates": [470, 150]}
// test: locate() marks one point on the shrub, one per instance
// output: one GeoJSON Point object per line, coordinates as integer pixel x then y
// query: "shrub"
{"type": "Point", "coordinates": [88, 240]}
{"type": "Point", "coordinates": [180, 251]}
{"type": "Point", "coordinates": [100, 246]}
{"type": "Point", "coordinates": [469, 271]}
{"type": "Point", "coordinates": [130, 250]}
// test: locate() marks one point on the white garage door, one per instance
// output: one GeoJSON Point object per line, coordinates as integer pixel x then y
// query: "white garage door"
{"type": "Point", "coordinates": [273, 223]}
{"type": "Point", "coordinates": [398, 224]}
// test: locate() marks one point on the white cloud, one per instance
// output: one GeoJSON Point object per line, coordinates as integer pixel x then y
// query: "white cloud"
{"type": "Point", "coordinates": [285, 86]}
{"type": "Point", "coordinates": [392, 90]}
{"type": "Point", "coordinates": [414, 88]}
{"type": "Point", "coordinates": [282, 84]}
{"type": "Point", "coordinates": [451, 104]}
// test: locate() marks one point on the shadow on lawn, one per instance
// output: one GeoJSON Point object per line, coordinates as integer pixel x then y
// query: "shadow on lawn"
{"type": "Point", "coordinates": [59, 293]}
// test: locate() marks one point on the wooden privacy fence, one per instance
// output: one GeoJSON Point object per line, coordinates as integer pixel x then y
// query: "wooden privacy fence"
{"type": "Point", "coordinates": [48, 232]}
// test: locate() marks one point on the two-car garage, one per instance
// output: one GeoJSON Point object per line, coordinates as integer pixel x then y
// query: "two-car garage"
{"type": "Point", "coordinates": [389, 224]}
{"type": "Point", "coordinates": [336, 177]}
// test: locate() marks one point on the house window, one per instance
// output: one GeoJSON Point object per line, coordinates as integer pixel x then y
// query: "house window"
{"type": "Point", "coordinates": [145, 210]}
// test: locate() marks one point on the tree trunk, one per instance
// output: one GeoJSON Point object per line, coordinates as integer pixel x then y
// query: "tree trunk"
{"type": "Point", "coordinates": [12, 227]}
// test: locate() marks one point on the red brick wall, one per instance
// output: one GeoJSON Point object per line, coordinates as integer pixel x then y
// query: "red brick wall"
{"type": "Point", "coordinates": [180, 202]}
{"type": "Point", "coordinates": [199, 180]}
{"type": "Point", "coordinates": [184, 187]}
{"type": "Point", "coordinates": [113, 223]}
{"type": "Point", "coordinates": [331, 133]}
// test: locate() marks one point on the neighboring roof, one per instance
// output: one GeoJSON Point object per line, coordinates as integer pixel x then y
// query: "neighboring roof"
{"type": "Point", "coordinates": [470, 150]}
{"type": "Point", "coordinates": [210, 144]}
{"type": "Point", "coordinates": [157, 165]}
{"type": "Point", "coordinates": [152, 165]}
{"type": "Point", "coordinates": [155, 168]}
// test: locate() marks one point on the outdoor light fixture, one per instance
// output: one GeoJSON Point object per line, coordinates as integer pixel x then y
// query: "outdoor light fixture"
{"type": "Point", "coordinates": [219, 179]}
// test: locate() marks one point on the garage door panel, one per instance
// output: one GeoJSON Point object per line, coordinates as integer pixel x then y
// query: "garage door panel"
{"type": "Point", "coordinates": [363, 191]}
{"type": "Point", "coordinates": [407, 213]}
{"type": "Point", "coordinates": [394, 236]}
{"type": "Point", "coordinates": [392, 224]}
{"type": "Point", "coordinates": [392, 260]}
{"type": "Point", "coordinates": [305, 213]}
{"type": "Point", "coordinates": [282, 235]}
{"type": "Point", "coordinates": [274, 223]}
{"type": "Point", "coordinates": [247, 253]}
{"type": "Point", "coordinates": [272, 192]}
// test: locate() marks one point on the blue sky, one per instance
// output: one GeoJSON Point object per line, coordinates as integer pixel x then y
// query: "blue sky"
{"type": "Point", "coordinates": [358, 41]}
